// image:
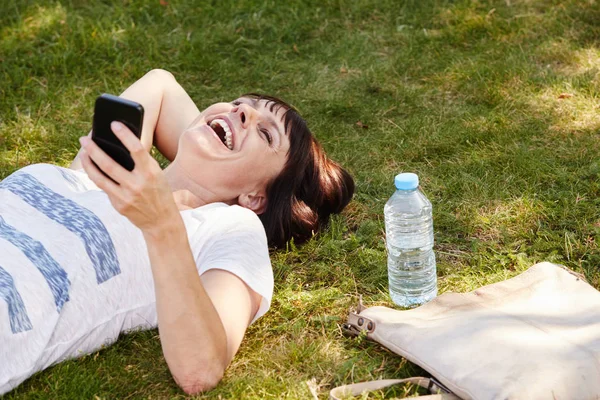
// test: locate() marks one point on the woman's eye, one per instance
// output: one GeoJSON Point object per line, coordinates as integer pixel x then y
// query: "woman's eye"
{"type": "Point", "coordinates": [236, 102]}
{"type": "Point", "coordinates": [267, 135]}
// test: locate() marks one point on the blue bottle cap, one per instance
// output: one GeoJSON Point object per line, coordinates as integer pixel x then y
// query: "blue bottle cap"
{"type": "Point", "coordinates": [406, 181]}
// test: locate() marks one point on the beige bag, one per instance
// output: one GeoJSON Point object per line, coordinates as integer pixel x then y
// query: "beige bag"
{"type": "Point", "coordinates": [535, 336]}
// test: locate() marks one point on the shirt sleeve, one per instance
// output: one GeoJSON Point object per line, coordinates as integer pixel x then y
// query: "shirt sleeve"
{"type": "Point", "coordinates": [233, 239]}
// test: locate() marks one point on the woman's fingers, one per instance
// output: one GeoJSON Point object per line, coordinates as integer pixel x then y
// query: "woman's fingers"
{"type": "Point", "coordinates": [141, 195]}
{"type": "Point", "coordinates": [130, 141]}
{"type": "Point", "coordinates": [104, 183]}
{"type": "Point", "coordinates": [104, 162]}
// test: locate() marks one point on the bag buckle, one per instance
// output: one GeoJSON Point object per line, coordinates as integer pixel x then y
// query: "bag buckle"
{"type": "Point", "coordinates": [436, 386]}
{"type": "Point", "coordinates": [350, 330]}
{"type": "Point", "coordinates": [357, 324]}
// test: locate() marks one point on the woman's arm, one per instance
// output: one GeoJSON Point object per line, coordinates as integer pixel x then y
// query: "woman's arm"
{"type": "Point", "coordinates": [200, 327]}
{"type": "Point", "coordinates": [201, 321]}
{"type": "Point", "coordinates": [168, 110]}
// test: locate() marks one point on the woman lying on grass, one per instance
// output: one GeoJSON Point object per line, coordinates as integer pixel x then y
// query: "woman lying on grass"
{"type": "Point", "coordinates": [83, 258]}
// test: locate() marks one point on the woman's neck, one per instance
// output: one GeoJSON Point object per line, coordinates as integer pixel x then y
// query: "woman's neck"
{"type": "Point", "coordinates": [187, 192]}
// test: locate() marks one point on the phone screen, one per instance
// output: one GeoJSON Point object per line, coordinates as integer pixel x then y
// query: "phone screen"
{"type": "Point", "coordinates": [110, 108]}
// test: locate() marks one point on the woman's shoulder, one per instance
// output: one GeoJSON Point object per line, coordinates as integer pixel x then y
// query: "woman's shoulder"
{"type": "Point", "coordinates": [225, 214]}
{"type": "Point", "coordinates": [224, 218]}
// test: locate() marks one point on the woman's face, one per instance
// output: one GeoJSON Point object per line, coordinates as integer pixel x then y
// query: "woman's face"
{"type": "Point", "coordinates": [234, 149]}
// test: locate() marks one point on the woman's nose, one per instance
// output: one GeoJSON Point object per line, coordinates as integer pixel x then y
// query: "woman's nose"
{"type": "Point", "coordinates": [243, 112]}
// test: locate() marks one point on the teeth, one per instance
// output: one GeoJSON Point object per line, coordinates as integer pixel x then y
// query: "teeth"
{"type": "Point", "coordinates": [228, 135]}
{"type": "Point", "coordinates": [228, 140]}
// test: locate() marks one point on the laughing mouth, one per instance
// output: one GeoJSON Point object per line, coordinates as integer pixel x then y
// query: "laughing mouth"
{"type": "Point", "coordinates": [223, 132]}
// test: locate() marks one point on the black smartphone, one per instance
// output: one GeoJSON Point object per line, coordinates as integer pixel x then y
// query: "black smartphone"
{"type": "Point", "coordinates": [110, 108]}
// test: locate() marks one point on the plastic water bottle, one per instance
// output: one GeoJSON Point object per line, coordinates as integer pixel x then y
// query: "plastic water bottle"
{"type": "Point", "coordinates": [409, 241]}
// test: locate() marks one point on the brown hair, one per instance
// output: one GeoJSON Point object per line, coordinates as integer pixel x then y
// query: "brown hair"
{"type": "Point", "coordinates": [308, 190]}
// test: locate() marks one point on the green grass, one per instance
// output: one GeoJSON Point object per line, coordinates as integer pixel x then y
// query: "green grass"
{"type": "Point", "coordinates": [465, 93]}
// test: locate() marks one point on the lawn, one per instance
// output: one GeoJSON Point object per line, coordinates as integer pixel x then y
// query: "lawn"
{"type": "Point", "coordinates": [493, 103]}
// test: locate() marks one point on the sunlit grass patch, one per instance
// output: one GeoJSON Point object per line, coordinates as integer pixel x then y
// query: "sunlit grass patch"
{"type": "Point", "coordinates": [507, 219]}
{"type": "Point", "coordinates": [36, 20]}
{"type": "Point", "coordinates": [576, 111]}
{"type": "Point", "coordinates": [566, 57]}
{"type": "Point", "coordinates": [465, 20]}
{"type": "Point", "coordinates": [573, 99]}
{"type": "Point", "coordinates": [586, 60]}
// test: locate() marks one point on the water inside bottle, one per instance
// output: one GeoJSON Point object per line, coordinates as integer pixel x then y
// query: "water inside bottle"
{"type": "Point", "coordinates": [411, 260]}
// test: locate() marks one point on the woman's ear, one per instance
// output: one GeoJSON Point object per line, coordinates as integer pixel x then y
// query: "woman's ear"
{"type": "Point", "coordinates": [256, 202]}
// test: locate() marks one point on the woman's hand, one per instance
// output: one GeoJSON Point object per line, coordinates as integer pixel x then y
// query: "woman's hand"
{"type": "Point", "coordinates": [142, 195]}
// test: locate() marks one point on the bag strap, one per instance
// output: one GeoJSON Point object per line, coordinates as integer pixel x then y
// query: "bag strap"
{"type": "Point", "coordinates": [356, 389]}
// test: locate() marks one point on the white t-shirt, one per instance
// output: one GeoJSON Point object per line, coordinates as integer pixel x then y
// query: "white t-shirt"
{"type": "Point", "coordinates": [74, 273]}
